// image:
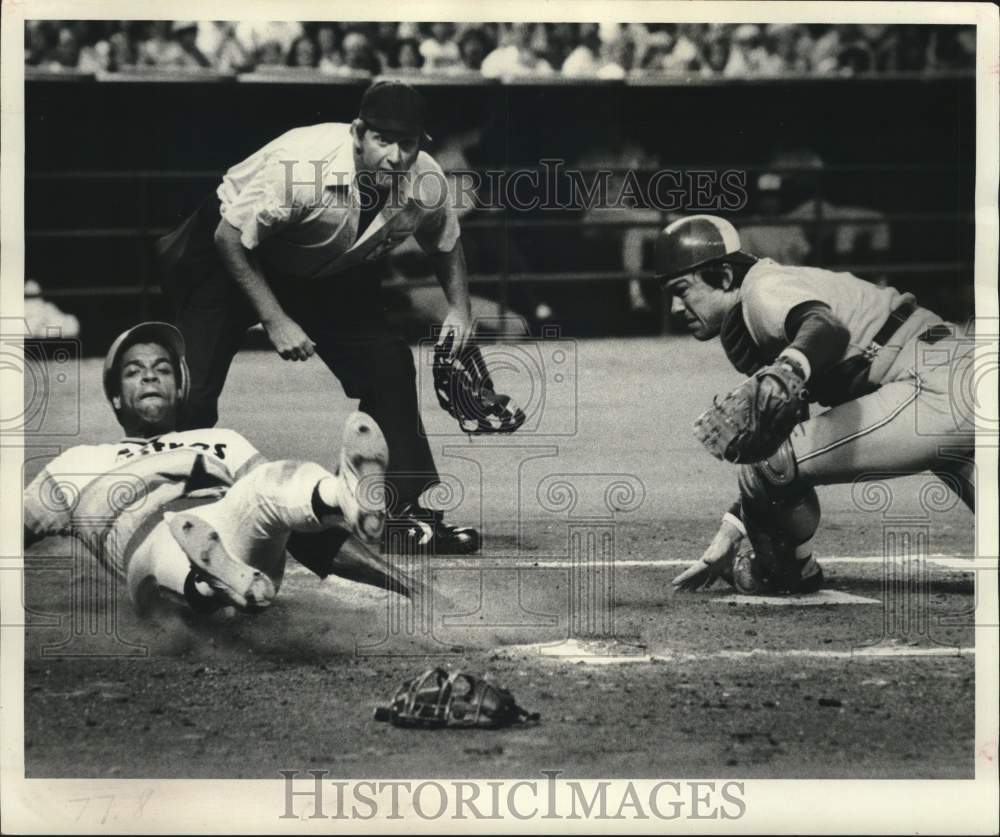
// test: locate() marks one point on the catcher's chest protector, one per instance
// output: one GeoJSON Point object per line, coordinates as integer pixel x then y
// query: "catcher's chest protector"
{"type": "Point", "coordinates": [742, 351]}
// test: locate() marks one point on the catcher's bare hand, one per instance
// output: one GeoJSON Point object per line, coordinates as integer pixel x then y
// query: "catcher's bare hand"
{"type": "Point", "coordinates": [458, 323]}
{"type": "Point", "coordinates": [714, 560]}
{"type": "Point", "coordinates": [288, 339]}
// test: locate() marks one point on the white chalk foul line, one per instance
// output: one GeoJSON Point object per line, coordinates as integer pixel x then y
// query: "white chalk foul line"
{"type": "Point", "coordinates": [820, 597]}
{"type": "Point", "coordinates": [873, 652]}
{"type": "Point", "coordinates": [574, 651]}
{"type": "Point", "coordinates": [966, 564]}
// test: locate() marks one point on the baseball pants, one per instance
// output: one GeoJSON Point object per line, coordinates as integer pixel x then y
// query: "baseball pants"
{"type": "Point", "coordinates": [254, 520]}
{"type": "Point", "coordinates": [920, 421]}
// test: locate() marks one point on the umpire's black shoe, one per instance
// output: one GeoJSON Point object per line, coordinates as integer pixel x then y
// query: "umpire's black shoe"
{"type": "Point", "coordinates": [415, 529]}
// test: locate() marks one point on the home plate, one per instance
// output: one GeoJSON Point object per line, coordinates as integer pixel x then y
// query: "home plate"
{"type": "Point", "coordinates": [822, 597]}
{"type": "Point", "coordinates": [595, 652]}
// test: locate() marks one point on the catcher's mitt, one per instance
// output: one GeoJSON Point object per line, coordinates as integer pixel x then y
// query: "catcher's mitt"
{"type": "Point", "coordinates": [750, 423]}
{"type": "Point", "coordinates": [465, 390]}
{"type": "Point", "coordinates": [439, 699]}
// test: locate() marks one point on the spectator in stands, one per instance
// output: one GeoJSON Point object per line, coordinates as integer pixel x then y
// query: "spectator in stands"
{"type": "Point", "coordinates": [715, 56]}
{"type": "Point", "coordinates": [270, 39]}
{"type": "Point", "coordinates": [856, 55]}
{"type": "Point", "coordinates": [158, 49]}
{"type": "Point", "coordinates": [911, 49]}
{"type": "Point", "coordinates": [186, 33]}
{"type": "Point", "coordinates": [124, 51]}
{"type": "Point", "coordinates": [95, 58]}
{"type": "Point", "coordinates": [385, 37]}
{"type": "Point", "coordinates": [883, 45]}
{"type": "Point", "coordinates": [952, 48]}
{"type": "Point", "coordinates": [39, 40]}
{"type": "Point", "coordinates": [616, 58]}
{"type": "Point", "coordinates": [517, 58]}
{"type": "Point", "coordinates": [165, 49]}
{"type": "Point", "coordinates": [217, 40]}
{"type": "Point", "coordinates": [585, 58]}
{"type": "Point", "coordinates": [440, 51]}
{"type": "Point", "coordinates": [657, 47]}
{"type": "Point", "coordinates": [330, 57]}
{"type": "Point", "coordinates": [359, 54]}
{"type": "Point", "coordinates": [473, 47]}
{"type": "Point", "coordinates": [303, 54]}
{"type": "Point", "coordinates": [269, 54]}
{"type": "Point", "coordinates": [747, 53]}
{"type": "Point", "coordinates": [825, 57]}
{"type": "Point", "coordinates": [407, 57]}
{"type": "Point", "coordinates": [685, 55]}
{"type": "Point", "coordinates": [66, 53]}
{"type": "Point", "coordinates": [562, 39]}
{"type": "Point", "coordinates": [785, 243]}
{"type": "Point", "coordinates": [788, 48]}
{"type": "Point", "coordinates": [856, 234]}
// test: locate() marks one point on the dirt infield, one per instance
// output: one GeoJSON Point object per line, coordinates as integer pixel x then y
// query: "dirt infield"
{"type": "Point", "coordinates": [585, 522]}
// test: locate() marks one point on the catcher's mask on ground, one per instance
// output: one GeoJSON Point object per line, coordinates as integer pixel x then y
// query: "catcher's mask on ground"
{"type": "Point", "coordinates": [438, 698]}
{"type": "Point", "coordinates": [466, 391]}
{"type": "Point", "coordinates": [151, 405]}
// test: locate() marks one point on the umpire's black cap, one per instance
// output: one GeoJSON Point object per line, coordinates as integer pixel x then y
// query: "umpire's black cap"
{"type": "Point", "coordinates": [395, 107]}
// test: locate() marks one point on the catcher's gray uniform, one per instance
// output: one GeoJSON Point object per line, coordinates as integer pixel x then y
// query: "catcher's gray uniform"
{"type": "Point", "coordinates": [903, 417]}
{"type": "Point", "coordinates": [891, 373]}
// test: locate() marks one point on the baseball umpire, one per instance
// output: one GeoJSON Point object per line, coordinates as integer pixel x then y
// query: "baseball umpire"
{"type": "Point", "coordinates": [291, 240]}
{"type": "Point", "coordinates": [806, 335]}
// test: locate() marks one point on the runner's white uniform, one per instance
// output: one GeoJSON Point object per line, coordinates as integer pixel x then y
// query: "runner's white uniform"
{"type": "Point", "coordinates": [112, 498]}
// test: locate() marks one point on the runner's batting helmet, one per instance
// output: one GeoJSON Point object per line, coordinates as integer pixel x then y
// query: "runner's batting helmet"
{"type": "Point", "coordinates": [151, 332]}
{"type": "Point", "coordinates": [694, 242]}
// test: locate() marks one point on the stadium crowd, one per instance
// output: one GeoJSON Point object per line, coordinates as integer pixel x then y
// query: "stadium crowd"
{"type": "Point", "coordinates": [499, 50]}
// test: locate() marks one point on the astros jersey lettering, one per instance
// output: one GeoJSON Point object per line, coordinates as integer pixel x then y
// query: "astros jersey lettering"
{"type": "Point", "coordinates": [108, 496]}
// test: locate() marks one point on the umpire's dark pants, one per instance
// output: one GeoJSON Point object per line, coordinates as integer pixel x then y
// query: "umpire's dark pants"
{"type": "Point", "coordinates": [343, 316]}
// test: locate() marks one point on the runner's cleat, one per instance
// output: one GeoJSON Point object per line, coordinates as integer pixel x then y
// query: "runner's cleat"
{"type": "Point", "coordinates": [364, 458]}
{"type": "Point", "coordinates": [237, 583]}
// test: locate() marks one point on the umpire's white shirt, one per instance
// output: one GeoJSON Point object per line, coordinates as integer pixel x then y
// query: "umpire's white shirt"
{"type": "Point", "coordinates": [297, 205]}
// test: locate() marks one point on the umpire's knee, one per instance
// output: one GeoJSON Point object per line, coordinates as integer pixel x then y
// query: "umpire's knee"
{"type": "Point", "coordinates": [394, 368]}
{"type": "Point", "coordinates": [201, 409]}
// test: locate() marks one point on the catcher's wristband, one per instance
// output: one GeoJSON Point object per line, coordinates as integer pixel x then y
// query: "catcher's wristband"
{"type": "Point", "coordinates": [798, 360]}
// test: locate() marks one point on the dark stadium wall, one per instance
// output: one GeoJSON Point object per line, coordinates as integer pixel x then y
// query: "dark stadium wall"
{"type": "Point", "coordinates": [916, 134]}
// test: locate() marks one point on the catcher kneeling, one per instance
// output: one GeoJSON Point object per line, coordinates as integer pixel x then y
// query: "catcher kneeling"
{"type": "Point", "coordinates": [884, 366]}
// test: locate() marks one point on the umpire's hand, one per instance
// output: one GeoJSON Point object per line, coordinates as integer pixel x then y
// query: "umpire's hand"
{"type": "Point", "coordinates": [288, 339]}
{"type": "Point", "coordinates": [458, 324]}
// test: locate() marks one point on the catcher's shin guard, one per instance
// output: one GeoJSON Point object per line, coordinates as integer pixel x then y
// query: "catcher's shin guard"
{"type": "Point", "coordinates": [781, 514]}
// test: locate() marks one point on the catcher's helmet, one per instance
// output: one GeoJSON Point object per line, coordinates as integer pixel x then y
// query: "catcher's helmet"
{"type": "Point", "coordinates": [151, 332]}
{"type": "Point", "coordinates": [693, 242]}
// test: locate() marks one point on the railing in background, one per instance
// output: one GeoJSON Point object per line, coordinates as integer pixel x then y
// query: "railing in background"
{"type": "Point", "coordinates": [142, 233]}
